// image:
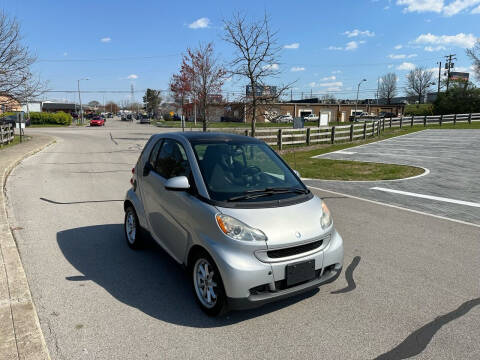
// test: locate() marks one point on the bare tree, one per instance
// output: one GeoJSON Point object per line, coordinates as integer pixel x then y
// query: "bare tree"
{"type": "Point", "coordinates": [419, 80]}
{"type": "Point", "coordinates": [256, 54]}
{"type": "Point", "coordinates": [387, 88]}
{"type": "Point", "coordinates": [328, 98]}
{"type": "Point", "coordinates": [206, 76]}
{"type": "Point", "coordinates": [474, 54]}
{"type": "Point", "coordinates": [16, 78]}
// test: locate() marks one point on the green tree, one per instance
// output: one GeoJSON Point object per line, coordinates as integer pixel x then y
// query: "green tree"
{"type": "Point", "coordinates": [152, 100]}
{"type": "Point", "coordinates": [461, 98]}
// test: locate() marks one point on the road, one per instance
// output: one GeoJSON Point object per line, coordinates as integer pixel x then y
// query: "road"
{"type": "Point", "coordinates": [410, 287]}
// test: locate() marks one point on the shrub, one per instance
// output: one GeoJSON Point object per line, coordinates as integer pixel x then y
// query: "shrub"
{"type": "Point", "coordinates": [419, 109]}
{"type": "Point", "coordinates": [167, 117]}
{"type": "Point", "coordinates": [59, 118]}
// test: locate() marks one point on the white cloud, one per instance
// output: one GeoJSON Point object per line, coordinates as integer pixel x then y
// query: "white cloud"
{"type": "Point", "coordinates": [331, 84]}
{"type": "Point", "coordinates": [460, 40]}
{"type": "Point", "coordinates": [439, 6]}
{"type": "Point", "coordinates": [457, 6]}
{"type": "Point", "coordinates": [329, 78]}
{"type": "Point", "coordinates": [271, 67]}
{"type": "Point", "coordinates": [352, 45]}
{"type": "Point", "coordinates": [297, 68]}
{"type": "Point", "coordinates": [406, 66]}
{"type": "Point", "coordinates": [292, 46]}
{"type": "Point", "coordinates": [434, 48]}
{"type": "Point", "coordinates": [312, 84]}
{"type": "Point", "coordinates": [390, 66]}
{"type": "Point", "coordinates": [335, 48]}
{"type": "Point", "coordinates": [356, 32]}
{"type": "Point", "coordinates": [132, 76]}
{"type": "Point", "coordinates": [105, 40]}
{"type": "Point", "coordinates": [401, 56]}
{"type": "Point", "coordinates": [336, 71]}
{"type": "Point", "coordinates": [421, 5]}
{"type": "Point", "coordinates": [334, 88]}
{"type": "Point", "coordinates": [398, 47]}
{"type": "Point", "coordinates": [201, 23]}
{"type": "Point", "coordinates": [65, 53]}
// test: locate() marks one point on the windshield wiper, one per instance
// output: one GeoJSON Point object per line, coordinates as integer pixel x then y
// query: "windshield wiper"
{"type": "Point", "coordinates": [253, 194]}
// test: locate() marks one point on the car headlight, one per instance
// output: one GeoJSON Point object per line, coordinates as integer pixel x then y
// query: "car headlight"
{"type": "Point", "coordinates": [237, 230]}
{"type": "Point", "coordinates": [326, 219]}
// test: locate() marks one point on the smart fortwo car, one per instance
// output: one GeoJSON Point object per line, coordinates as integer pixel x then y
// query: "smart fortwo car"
{"type": "Point", "coordinates": [234, 213]}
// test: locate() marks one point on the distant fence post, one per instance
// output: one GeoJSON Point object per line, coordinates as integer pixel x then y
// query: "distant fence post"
{"type": "Point", "coordinates": [351, 132]}
{"type": "Point", "coordinates": [246, 132]}
{"type": "Point", "coordinates": [390, 122]}
{"type": "Point", "coordinates": [401, 121]}
{"type": "Point", "coordinates": [412, 121]}
{"type": "Point", "coordinates": [455, 119]}
{"type": "Point", "coordinates": [425, 120]}
{"type": "Point", "coordinates": [373, 128]}
{"type": "Point", "coordinates": [383, 124]}
{"type": "Point", "coordinates": [441, 120]}
{"type": "Point", "coordinates": [308, 135]}
{"type": "Point", "coordinates": [365, 130]}
{"type": "Point", "coordinates": [470, 118]}
{"type": "Point", "coordinates": [333, 134]}
{"type": "Point", "coordinates": [279, 140]}
{"type": "Point", "coordinates": [1, 135]}
{"type": "Point", "coordinates": [378, 128]}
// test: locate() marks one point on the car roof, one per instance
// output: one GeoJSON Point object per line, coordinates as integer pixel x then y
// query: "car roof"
{"type": "Point", "coordinates": [199, 136]}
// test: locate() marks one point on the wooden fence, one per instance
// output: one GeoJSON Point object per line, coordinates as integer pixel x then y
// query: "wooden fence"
{"type": "Point", "coordinates": [346, 133]}
{"type": "Point", "coordinates": [6, 134]}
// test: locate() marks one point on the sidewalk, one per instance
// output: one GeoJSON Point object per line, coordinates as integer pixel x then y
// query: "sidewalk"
{"type": "Point", "coordinates": [20, 333]}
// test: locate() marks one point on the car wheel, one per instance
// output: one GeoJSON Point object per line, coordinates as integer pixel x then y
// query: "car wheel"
{"type": "Point", "coordinates": [133, 233]}
{"type": "Point", "coordinates": [208, 285]}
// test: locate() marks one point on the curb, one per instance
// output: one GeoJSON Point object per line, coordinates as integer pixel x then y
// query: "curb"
{"type": "Point", "coordinates": [21, 336]}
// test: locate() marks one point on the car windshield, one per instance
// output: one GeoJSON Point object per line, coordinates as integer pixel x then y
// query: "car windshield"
{"type": "Point", "coordinates": [236, 171]}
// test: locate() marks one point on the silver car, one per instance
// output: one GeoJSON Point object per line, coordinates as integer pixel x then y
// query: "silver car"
{"type": "Point", "coordinates": [234, 213]}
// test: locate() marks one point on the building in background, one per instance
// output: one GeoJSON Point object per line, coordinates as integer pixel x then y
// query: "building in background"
{"type": "Point", "coordinates": [8, 103]}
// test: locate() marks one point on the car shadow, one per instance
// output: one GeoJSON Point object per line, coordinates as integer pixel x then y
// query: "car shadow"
{"type": "Point", "coordinates": [147, 279]}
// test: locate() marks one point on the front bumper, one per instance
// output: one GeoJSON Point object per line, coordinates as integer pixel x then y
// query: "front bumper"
{"type": "Point", "coordinates": [257, 300]}
{"type": "Point", "coordinates": [250, 282]}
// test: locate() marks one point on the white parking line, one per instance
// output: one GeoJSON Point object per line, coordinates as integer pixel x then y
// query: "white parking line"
{"type": "Point", "coordinates": [396, 207]}
{"type": "Point", "coordinates": [430, 197]}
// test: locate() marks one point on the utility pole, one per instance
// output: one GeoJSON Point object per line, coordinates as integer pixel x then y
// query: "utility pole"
{"type": "Point", "coordinates": [80, 99]}
{"type": "Point", "coordinates": [449, 65]}
{"type": "Point", "coordinates": [378, 89]}
{"type": "Point", "coordinates": [439, 76]}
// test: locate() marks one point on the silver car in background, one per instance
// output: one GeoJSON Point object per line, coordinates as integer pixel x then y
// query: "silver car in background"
{"type": "Point", "coordinates": [234, 213]}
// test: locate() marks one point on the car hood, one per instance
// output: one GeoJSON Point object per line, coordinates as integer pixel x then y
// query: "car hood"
{"type": "Point", "coordinates": [283, 225]}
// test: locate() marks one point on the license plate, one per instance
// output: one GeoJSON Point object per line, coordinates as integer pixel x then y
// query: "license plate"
{"type": "Point", "coordinates": [300, 272]}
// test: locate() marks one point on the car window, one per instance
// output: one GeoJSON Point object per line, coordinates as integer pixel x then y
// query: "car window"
{"type": "Point", "coordinates": [172, 160]}
{"type": "Point", "coordinates": [154, 153]}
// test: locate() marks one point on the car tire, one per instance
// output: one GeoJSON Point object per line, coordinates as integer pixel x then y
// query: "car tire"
{"type": "Point", "coordinates": [208, 291]}
{"type": "Point", "coordinates": [132, 229]}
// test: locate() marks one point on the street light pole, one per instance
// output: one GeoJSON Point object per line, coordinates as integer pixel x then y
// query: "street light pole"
{"type": "Point", "coordinates": [80, 99]}
{"type": "Point", "coordinates": [356, 101]}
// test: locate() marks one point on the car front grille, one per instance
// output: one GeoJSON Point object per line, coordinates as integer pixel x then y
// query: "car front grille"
{"type": "Point", "coordinates": [294, 250]}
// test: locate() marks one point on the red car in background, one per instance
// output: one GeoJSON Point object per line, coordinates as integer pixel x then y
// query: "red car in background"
{"type": "Point", "coordinates": [97, 121]}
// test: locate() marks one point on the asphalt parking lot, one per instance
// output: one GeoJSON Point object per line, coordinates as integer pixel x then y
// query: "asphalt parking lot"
{"type": "Point", "coordinates": [449, 187]}
{"type": "Point", "coordinates": [409, 287]}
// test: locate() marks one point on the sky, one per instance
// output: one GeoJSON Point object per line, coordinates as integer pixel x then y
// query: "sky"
{"type": "Point", "coordinates": [327, 46]}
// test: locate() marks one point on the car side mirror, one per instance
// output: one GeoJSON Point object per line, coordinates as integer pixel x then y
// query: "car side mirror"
{"type": "Point", "coordinates": [147, 168]}
{"type": "Point", "coordinates": [177, 183]}
{"type": "Point", "coordinates": [296, 173]}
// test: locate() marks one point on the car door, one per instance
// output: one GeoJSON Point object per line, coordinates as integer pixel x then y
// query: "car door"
{"type": "Point", "coordinates": [166, 209]}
